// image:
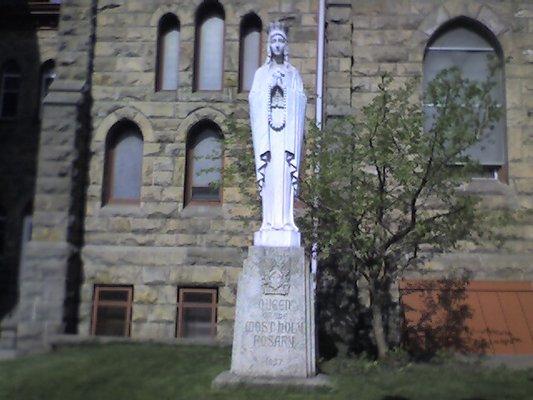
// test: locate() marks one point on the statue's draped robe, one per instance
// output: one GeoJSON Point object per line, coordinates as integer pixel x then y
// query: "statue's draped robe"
{"type": "Point", "coordinates": [277, 153]}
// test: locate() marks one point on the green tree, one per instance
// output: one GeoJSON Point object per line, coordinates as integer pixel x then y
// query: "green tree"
{"type": "Point", "coordinates": [388, 192]}
{"type": "Point", "coordinates": [384, 189]}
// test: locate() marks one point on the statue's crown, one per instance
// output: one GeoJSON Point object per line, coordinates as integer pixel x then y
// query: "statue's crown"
{"type": "Point", "coordinates": [277, 28]}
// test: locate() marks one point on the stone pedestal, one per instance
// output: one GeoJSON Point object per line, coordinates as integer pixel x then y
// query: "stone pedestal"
{"type": "Point", "coordinates": [274, 335]}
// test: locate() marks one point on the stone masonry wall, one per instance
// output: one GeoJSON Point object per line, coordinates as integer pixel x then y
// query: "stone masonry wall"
{"type": "Point", "coordinates": [52, 256]}
{"type": "Point", "coordinates": [29, 46]}
{"type": "Point", "coordinates": [20, 138]}
{"type": "Point", "coordinates": [369, 37]}
{"type": "Point", "coordinates": [159, 245]}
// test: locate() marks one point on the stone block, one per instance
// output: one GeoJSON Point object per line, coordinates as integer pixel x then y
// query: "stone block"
{"type": "Point", "coordinates": [145, 294]}
{"type": "Point", "coordinates": [225, 313]}
{"type": "Point", "coordinates": [153, 330]}
{"type": "Point", "coordinates": [197, 275]}
{"type": "Point", "coordinates": [162, 313]}
{"type": "Point", "coordinates": [155, 275]}
{"type": "Point", "coordinates": [227, 295]}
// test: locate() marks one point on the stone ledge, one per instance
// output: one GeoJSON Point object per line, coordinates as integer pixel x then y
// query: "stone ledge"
{"type": "Point", "coordinates": [227, 379]}
{"type": "Point", "coordinates": [7, 354]}
{"type": "Point", "coordinates": [66, 340]}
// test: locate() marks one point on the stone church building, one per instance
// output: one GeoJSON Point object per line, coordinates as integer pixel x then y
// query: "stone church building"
{"type": "Point", "coordinates": [107, 226]}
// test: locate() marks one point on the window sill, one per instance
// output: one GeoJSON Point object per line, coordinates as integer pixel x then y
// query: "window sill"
{"type": "Point", "coordinates": [486, 186]}
{"type": "Point", "coordinates": [209, 95]}
{"type": "Point", "coordinates": [165, 95]}
{"type": "Point", "coordinates": [121, 209]}
{"type": "Point", "coordinates": [8, 120]}
{"type": "Point", "coordinates": [205, 209]}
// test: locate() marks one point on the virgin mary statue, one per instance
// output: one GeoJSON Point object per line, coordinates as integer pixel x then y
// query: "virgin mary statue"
{"type": "Point", "coordinates": [277, 114]}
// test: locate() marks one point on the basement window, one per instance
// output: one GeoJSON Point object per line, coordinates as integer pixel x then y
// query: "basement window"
{"type": "Point", "coordinates": [112, 310]}
{"type": "Point", "coordinates": [197, 313]}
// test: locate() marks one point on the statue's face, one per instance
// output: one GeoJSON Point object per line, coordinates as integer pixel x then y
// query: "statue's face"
{"type": "Point", "coordinates": [277, 45]}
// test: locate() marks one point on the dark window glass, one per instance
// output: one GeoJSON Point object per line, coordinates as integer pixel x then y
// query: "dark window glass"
{"type": "Point", "coordinates": [111, 321]}
{"type": "Point", "coordinates": [197, 322]}
{"type": "Point", "coordinates": [113, 295]}
{"type": "Point", "coordinates": [198, 297]}
{"type": "Point", "coordinates": [11, 83]}
{"type": "Point", "coordinates": [10, 105]}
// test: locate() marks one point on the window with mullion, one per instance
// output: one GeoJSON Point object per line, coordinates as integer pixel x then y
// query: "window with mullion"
{"type": "Point", "coordinates": [196, 313]}
{"type": "Point", "coordinates": [112, 307]}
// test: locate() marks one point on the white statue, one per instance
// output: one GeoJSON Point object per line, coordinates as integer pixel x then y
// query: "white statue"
{"type": "Point", "coordinates": [277, 114]}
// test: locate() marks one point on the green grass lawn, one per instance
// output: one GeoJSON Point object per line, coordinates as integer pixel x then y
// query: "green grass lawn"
{"type": "Point", "coordinates": [148, 371]}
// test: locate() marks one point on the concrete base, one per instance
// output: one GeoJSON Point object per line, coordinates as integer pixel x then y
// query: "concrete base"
{"type": "Point", "coordinates": [227, 379]}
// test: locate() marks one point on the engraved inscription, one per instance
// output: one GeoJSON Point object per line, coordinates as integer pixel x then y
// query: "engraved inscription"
{"type": "Point", "coordinates": [273, 362]}
{"type": "Point", "coordinates": [276, 305]}
{"type": "Point", "coordinates": [274, 333]}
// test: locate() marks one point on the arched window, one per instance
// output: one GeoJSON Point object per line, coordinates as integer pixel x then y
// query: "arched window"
{"type": "Point", "coordinates": [9, 89]}
{"type": "Point", "coordinates": [209, 53]}
{"type": "Point", "coordinates": [48, 75]}
{"type": "Point", "coordinates": [3, 225]}
{"type": "Point", "coordinates": [204, 163]}
{"type": "Point", "coordinates": [468, 45]}
{"type": "Point", "coordinates": [123, 164]}
{"type": "Point", "coordinates": [168, 53]}
{"type": "Point", "coordinates": [250, 50]}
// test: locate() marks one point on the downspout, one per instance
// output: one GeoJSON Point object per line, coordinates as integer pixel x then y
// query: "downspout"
{"type": "Point", "coordinates": [321, 37]}
{"type": "Point", "coordinates": [313, 348]}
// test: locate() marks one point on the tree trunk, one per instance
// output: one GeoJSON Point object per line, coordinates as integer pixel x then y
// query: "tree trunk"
{"type": "Point", "coordinates": [377, 327]}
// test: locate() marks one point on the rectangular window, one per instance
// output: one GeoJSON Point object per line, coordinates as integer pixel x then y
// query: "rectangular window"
{"type": "Point", "coordinates": [112, 310]}
{"type": "Point", "coordinates": [197, 313]}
